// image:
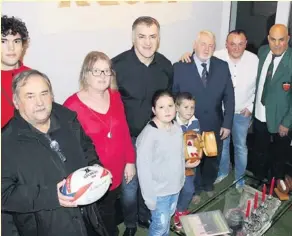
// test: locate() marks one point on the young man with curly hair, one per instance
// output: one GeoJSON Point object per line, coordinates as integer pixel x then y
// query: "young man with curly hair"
{"type": "Point", "coordinates": [14, 39]}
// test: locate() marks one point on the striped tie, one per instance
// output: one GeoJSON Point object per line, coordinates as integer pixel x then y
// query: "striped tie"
{"type": "Point", "coordinates": [204, 74]}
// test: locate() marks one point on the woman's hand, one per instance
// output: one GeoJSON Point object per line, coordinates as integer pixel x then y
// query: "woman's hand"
{"type": "Point", "coordinates": [130, 172]}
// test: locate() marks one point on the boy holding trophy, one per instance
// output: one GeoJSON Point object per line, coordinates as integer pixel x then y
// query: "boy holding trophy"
{"type": "Point", "coordinates": [194, 146]}
{"type": "Point", "coordinates": [185, 107]}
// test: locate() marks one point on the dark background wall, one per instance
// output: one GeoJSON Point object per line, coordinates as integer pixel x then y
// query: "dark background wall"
{"type": "Point", "coordinates": [256, 18]}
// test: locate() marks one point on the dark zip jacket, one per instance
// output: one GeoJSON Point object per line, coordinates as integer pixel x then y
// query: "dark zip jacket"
{"type": "Point", "coordinates": [31, 171]}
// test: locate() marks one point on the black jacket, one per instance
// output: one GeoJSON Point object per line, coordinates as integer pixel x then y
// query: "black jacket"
{"type": "Point", "coordinates": [137, 83]}
{"type": "Point", "coordinates": [31, 171]}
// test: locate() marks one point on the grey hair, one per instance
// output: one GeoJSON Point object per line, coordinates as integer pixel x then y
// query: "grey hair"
{"type": "Point", "coordinates": [20, 79]}
{"type": "Point", "coordinates": [206, 32]}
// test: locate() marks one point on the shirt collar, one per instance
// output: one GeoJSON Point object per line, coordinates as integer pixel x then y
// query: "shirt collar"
{"type": "Point", "coordinates": [178, 120]}
{"type": "Point", "coordinates": [280, 57]}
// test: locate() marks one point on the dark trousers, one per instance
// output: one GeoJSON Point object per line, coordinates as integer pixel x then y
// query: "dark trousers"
{"type": "Point", "coordinates": [89, 229]}
{"type": "Point", "coordinates": [132, 202]}
{"type": "Point", "coordinates": [8, 227]}
{"type": "Point", "coordinates": [208, 169]}
{"type": "Point", "coordinates": [106, 207]}
{"type": "Point", "coordinates": [270, 152]}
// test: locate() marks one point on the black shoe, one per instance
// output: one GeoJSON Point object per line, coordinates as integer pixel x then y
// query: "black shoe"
{"type": "Point", "coordinates": [144, 224]}
{"type": "Point", "coordinates": [130, 231]}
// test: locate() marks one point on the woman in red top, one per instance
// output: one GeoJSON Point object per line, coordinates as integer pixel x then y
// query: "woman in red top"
{"type": "Point", "coordinates": [101, 113]}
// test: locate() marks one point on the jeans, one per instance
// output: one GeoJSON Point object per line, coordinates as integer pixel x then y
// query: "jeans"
{"type": "Point", "coordinates": [186, 194]}
{"type": "Point", "coordinates": [165, 208]}
{"type": "Point", "coordinates": [132, 202]}
{"type": "Point", "coordinates": [239, 133]}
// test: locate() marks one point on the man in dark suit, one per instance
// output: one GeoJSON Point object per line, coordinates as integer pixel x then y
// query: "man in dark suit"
{"type": "Point", "coordinates": [273, 107]}
{"type": "Point", "coordinates": [208, 79]}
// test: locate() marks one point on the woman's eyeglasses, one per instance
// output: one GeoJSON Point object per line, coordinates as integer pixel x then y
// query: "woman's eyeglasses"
{"type": "Point", "coordinates": [97, 72]}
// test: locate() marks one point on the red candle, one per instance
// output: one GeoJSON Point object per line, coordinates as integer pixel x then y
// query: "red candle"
{"type": "Point", "coordinates": [247, 212]}
{"type": "Point", "coordinates": [256, 198]}
{"type": "Point", "coordinates": [264, 193]}
{"type": "Point", "coordinates": [272, 186]}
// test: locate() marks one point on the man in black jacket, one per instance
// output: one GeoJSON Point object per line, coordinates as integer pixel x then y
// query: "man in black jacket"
{"type": "Point", "coordinates": [33, 171]}
{"type": "Point", "coordinates": [140, 72]}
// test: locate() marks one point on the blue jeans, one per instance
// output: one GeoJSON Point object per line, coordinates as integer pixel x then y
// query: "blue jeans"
{"type": "Point", "coordinates": [239, 132]}
{"type": "Point", "coordinates": [133, 205]}
{"type": "Point", "coordinates": [165, 208]}
{"type": "Point", "coordinates": [186, 193]}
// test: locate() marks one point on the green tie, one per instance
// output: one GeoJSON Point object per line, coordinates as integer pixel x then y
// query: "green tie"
{"type": "Point", "coordinates": [268, 80]}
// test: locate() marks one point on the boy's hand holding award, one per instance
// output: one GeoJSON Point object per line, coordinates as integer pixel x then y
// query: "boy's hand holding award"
{"type": "Point", "coordinates": [194, 146]}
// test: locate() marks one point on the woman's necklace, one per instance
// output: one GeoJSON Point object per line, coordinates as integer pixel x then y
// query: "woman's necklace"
{"type": "Point", "coordinates": [109, 134]}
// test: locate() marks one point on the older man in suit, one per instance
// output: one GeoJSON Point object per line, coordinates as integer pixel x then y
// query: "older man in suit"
{"type": "Point", "coordinates": [208, 79]}
{"type": "Point", "coordinates": [273, 106]}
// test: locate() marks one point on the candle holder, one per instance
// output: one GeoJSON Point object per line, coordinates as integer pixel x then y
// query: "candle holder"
{"type": "Point", "coordinates": [262, 213]}
{"type": "Point", "coordinates": [255, 215]}
{"type": "Point", "coordinates": [252, 225]}
{"type": "Point", "coordinates": [256, 226]}
{"type": "Point", "coordinates": [247, 227]}
{"type": "Point", "coordinates": [259, 209]}
{"type": "Point", "coordinates": [235, 220]}
{"type": "Point", "coordinates": [269, 202]}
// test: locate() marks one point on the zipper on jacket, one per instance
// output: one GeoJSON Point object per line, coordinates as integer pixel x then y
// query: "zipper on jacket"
{"type": "Point", "coordinates": [60, 165]}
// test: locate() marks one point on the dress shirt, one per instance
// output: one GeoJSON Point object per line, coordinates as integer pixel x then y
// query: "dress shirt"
{"type": "Point", "coordinates": [199, 64]}
{"type": "Point", "coordinates": [260, 111]}
{"type": "Point", "coordinates": [243, 75]}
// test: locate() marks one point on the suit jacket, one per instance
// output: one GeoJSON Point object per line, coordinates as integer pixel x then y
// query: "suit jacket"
{"type": "Point", "coordinates": [208, 99]}
{"type": "Point", "coordinates": [278, 102]}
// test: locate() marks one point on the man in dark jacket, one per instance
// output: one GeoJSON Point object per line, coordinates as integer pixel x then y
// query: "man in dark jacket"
{"type": "Point", "coordinates": [140, 72]}
{"type": "Point", "coordinates": [208, 79]}
{"type": "Point", "coordinates": [272, 123]}
{"type": "Point", "coordinates": [33, 171]}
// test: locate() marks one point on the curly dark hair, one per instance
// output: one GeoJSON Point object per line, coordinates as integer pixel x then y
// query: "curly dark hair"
{"type": "Point", "coordinates": [12, 25]}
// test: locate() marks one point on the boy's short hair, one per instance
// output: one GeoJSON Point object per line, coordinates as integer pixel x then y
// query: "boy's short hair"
{"type": "Point", "coordinates": [183, 96]}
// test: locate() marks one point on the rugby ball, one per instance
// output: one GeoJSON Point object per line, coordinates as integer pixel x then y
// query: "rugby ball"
{"type": "Point", "coordinates": [87, 185]}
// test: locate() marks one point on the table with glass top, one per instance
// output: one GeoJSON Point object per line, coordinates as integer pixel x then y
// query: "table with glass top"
{"type": "Point", "coordinates": [227, 194]}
